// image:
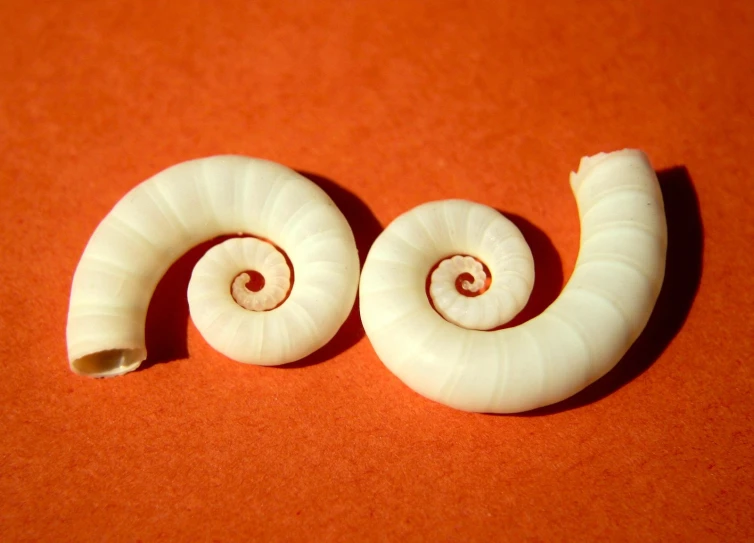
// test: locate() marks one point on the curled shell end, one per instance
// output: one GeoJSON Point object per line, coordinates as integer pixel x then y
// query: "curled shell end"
{"type": "Point", "coordinates": [588, 164]}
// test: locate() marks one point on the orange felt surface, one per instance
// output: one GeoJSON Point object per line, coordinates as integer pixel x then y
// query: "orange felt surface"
{"type": "Point", "coordinates": [387, 104]}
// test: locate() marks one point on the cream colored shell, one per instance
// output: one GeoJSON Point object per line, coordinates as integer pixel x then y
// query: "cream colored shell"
{"type": "Point", "coordinates": [163, 217]}
{"type": "Point", "coordinates": [580, 337]}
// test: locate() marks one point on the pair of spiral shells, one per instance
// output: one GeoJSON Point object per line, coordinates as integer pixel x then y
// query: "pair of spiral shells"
{"type": "Point", "coordinates": [436, 339]}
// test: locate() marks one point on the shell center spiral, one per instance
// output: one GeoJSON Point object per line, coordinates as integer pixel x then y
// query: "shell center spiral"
{"type": "Point", "coordinates": [454, 283]}
{"type": "Point", "coordinates": [266, 280]}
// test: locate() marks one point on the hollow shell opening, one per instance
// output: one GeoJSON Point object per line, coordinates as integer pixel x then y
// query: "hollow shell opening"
{"type": "Point", "coordinates": [256, 280]}
{"type": "Point", "coordinates": [109, 363]}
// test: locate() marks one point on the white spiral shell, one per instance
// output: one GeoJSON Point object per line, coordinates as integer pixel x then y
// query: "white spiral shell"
{"type": "Point", "coordinates": [192, 202]}
{"type": "Point", "coordinates": [580, 337]}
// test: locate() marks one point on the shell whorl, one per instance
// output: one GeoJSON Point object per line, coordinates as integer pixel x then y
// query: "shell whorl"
{"type": "Point", "coordinates": [458, 225]}
{"type": "Point", "coordinates": [195, 201]}
{"type": "Point", "coordinates": [580, 337]}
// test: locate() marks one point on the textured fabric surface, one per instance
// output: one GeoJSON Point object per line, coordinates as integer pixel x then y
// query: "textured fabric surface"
{"type": "Point", "coordinates": [386, 104]}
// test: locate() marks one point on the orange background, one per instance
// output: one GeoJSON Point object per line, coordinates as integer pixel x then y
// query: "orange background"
{"type": "Point", "coordinates": [387, 104]}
